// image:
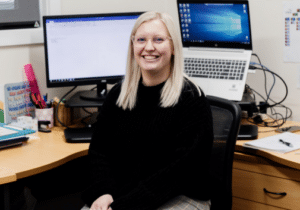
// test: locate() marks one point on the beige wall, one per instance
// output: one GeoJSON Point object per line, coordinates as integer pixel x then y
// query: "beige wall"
{"type": "Point", "coordinates": [267, 31]}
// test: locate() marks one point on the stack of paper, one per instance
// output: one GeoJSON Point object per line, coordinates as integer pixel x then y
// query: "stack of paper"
{"type": "Point", "coordinates": [282, 143]}
{"type": "Point", "coordinates": [11, 135]}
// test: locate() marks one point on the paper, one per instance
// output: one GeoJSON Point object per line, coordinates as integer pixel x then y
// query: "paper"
{"type": "Point", "coordinates": [4, 131]}
{"type": "Point", "coordinates": [273, 143]}
{"type": "Point", "coordinates": [12, 132]}
{"type": "Point", "coordinates": [291, 13]}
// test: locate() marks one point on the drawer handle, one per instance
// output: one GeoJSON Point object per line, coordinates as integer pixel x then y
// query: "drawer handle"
{"type": "Point", "coordinates": [281, 193]}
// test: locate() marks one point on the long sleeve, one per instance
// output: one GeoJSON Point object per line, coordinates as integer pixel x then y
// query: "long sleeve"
{"type": "Point", "coordinates": [185, 172]}
{"type": "Point", "coordinates": [146, 156]}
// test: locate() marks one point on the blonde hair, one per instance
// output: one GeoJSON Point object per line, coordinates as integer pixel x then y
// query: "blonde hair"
{"type": "Point", "coordinates": [174, 84]}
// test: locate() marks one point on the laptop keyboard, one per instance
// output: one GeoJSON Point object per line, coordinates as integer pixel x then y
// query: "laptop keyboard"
{"type": "Point", "coordinates": [215, 68]}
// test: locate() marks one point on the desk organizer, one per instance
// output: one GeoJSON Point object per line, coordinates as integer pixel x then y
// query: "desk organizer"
{"type": "Point", "coordinates": [45, 114]}
{"type": "Point", "coordinates": [64, 114]}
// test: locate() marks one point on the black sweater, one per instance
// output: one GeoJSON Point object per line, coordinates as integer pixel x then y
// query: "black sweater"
{"type": "Point", "coordinates": [146, 156]}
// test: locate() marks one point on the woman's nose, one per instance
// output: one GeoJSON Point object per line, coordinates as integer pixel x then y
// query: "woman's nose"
{"type": "Point", "coordinates": [149, 45]}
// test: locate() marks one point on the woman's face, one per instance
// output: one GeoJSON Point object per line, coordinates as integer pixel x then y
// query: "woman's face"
{"type": "Point", "coordinates": [153, 47]}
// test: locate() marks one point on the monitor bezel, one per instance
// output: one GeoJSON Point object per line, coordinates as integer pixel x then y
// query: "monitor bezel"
{"type": "Point", "coordinates": [87, 81]}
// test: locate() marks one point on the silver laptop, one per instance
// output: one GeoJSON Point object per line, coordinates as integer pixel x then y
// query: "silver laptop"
{"type": "Point", "coordinates": [217, 47]}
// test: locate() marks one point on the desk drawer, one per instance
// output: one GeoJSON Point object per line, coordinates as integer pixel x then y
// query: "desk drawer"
{"type": "Point", "coordinates": [242, 204]}
{"type": "Point", "coordinates": [249, 185]}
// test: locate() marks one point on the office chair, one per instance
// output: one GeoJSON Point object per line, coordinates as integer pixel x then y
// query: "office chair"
{"type": "Point", "coordinates": [226, 123]}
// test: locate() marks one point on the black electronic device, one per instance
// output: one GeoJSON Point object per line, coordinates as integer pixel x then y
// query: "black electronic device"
{"type": "Point", "coordinates": [87, 49]}
{"type": "Point", "coordinates": [248, 132]}
{"type": "Point", "coordinates": [79, 135]}
{"type": "Point", "coordinates": [13, 142]}
{"type": "Point", "coordinates": [42, 126]}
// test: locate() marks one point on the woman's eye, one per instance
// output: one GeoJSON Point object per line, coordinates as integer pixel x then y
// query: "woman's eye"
{"type": "Point", "coordinates": [158, 39]}
{"type": "Point", "coordinates": [141, 39]}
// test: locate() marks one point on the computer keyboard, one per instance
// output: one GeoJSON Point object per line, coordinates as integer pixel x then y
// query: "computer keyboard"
{"type": "Point", "coordinates": [215, 68]}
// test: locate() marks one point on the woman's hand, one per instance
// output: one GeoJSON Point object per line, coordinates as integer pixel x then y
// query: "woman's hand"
{"type": "Point", "coordinates": [102, 203]}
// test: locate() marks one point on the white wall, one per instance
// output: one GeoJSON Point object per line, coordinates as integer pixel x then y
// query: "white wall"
{"type": "Point", "coordinates": [267, 22]}
{"type": "Point", "coordinates": [267, 31]}
{"type": "Point", "coordinates": [14, 57]}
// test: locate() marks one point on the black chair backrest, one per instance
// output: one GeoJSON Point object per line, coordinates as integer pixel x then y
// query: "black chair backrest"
{"type": "Point", "coordinates": [226, 123]}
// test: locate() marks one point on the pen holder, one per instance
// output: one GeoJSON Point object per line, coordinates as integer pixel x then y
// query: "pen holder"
{"type": "Point", "coordinates": [64, 114]}
{"type": "Point", "coordinates": [45, 115]}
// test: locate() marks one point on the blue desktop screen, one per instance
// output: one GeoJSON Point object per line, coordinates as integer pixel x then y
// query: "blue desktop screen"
{"type": "Point", "coordinates": [215, 22]}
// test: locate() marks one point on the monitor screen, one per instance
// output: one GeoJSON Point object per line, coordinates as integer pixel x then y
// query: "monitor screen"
{"type": "Point", "coordinates": [205, 23]}
{"type": "Point", "coordinates": [86, 49]}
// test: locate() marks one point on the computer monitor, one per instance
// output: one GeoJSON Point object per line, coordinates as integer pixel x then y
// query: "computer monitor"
{"type": "Point", "coordinates": [87, 49]}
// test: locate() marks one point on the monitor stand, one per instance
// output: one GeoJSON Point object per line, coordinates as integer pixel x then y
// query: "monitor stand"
{"type": "Point", "coordinates": [97, 95]}
{"type": "Point", "coordinates": [83, 134]}
{"type": "Point", "coordinates": [87, 99]}
{"type": "Point", "coordinates": [100, 93]}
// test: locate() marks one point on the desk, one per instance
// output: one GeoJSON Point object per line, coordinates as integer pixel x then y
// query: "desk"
{"type": "Point", "coordinates": [254, 170]}
{"type": "Point", "coordinates": [48, 151]}
{"type": "Point", "coordinates": [251, 173]}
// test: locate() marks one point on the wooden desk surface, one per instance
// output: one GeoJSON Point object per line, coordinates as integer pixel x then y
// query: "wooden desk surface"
{"type": "Point", "coordinates": [290, 159]}
{"type": "Point", "coordinates": [47, 151]}
{"type": "Point", "coordinates": [50, 150]}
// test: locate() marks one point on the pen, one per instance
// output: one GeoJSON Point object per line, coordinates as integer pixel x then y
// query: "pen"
{"type": "Point", "coordinates": [45, 97]}
{"type": "Point", "coordinates": [286, 143]}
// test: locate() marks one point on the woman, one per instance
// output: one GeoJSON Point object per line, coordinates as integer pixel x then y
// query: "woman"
{"type": "Point", "coordinates": [154, 134]}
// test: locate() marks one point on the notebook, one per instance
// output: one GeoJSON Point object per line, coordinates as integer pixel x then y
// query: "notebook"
{"type": "Point", "coordinates": [12, 135]}
{"type": "Point", "coordinates": [217, 47]}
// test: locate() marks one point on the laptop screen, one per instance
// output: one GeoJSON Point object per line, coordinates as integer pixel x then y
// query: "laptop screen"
{"type": "Point", "coordinates": [221, 24]}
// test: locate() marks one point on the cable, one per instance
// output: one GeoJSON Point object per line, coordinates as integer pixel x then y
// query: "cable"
{"type": "Point", "coordinates": [278, 119]}
{"type": "Point", "coordinates": [57, 106]}
{"type": "Point", "coordinates": [84, 109]}
{"type": "Point", "coordinates": [265, 69]}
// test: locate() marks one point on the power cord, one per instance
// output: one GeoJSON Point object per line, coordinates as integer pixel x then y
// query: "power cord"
{"type": "Point", "coordinates": [263, 67]}
{"type": "Point", "coordinates": [274, 74]}
{"type": "Point", "coordinates": [278, 119]}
